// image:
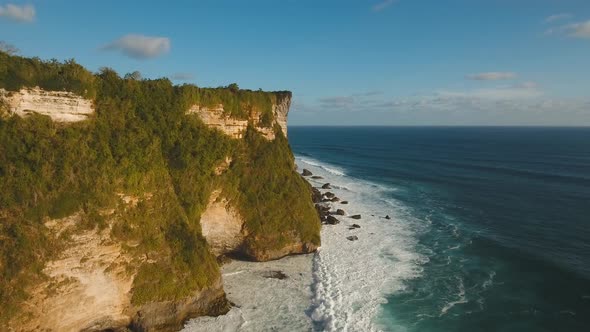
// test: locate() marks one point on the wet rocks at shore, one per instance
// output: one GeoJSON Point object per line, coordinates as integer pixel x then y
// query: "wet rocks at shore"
{"type": "Point", "coordinates": [356, 216]}
{"type": "Point", "coordinates": [331, 220]}
{"type": "Point", "coordinates": [306, 172]}
{"type": "Point", "coordinates": [275, 275]}
{"type": "Point", "coordinates": [340, 212]}
{"type": "Point", "coordinates": [326, 186]}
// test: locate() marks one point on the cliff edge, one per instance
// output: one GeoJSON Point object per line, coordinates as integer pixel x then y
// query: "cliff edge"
{"type": "Point", "coordinates": [118, 195]}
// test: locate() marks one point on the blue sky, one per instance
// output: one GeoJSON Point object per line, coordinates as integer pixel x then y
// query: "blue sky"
{"type": "Point", "coordinates": [364, 62]}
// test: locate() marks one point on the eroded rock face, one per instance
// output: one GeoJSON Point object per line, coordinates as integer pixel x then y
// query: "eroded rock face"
{"type": "Point", "coordinates": [236, 128]}
{"type": "Point", "coordinates": [61, 106]}
{"type": "Point", "coordinates": [293, 246]}
{"type": "Point", "coordinates": [281, 110]}
{"type": "Point", "coordinates": [225, 231]}
{"type": "Point", "coordinates": [87, 287]}
{"type": "Point", "coordinates": [171, 315]}
{"type": "Point", "coordinates": [222, 225]}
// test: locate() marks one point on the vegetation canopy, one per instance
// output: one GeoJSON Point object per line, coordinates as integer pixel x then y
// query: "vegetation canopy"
{"type": "Point", "coordinates": [141, 143]}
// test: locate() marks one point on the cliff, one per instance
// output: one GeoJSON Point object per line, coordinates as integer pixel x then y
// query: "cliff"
{"type": "Point", "coordinates": [118, 194]}
{"type": "Point", "coordinates": [58, 105]}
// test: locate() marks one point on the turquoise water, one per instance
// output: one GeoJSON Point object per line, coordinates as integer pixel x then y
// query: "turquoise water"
{"type": "Point", "coordinates": [501, 214]}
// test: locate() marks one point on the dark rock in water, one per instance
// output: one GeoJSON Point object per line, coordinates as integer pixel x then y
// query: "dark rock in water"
{"type": "Point", "coordinates": [335, 199]}
{"type": "Point", "coordinates": [331, 220]}
{"type": "Point", "coordinates": [306, 172]}
{"type": "Point", "coordinates": [329, 194]}
{"type": "Point", "coordinates": [344, 202]}
{"type": "Point", "coordinates": [387, 217]}
{"type": "Point", "coordinates": [352, 238]}
{"type": "Point", "coordinates": [316, 195]}
{"type": "Point", "coordinates": [326, 186]}
{"type": "Point", "coordinates": [275, 275]}
{"type": "Point", "coordinates": [322, 211]}
{"type": "Point", "coordinates": [355, 226]}
{"type": "Point", "coordinates": [316, 177]}
{"type": "Point", "coordinates": [356, 216]}
{"type": "Point", "coordinates": [340, 212]}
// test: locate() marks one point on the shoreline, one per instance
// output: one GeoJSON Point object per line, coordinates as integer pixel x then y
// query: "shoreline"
{"type": "Point", "coordinates": [265, 296]}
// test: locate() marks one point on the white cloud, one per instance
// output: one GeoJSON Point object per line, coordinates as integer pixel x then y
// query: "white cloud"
{"type": "Point", "coordinates": [25, 13]}
{"type": "Point", "coordinates": [491, 76]}
{"type": "Point", "coordinates": [182, 76]}
{"type": "Point", "coordinates": [337, 102]}
{"type": "Point", "coordinates": [579, 30]}
{"type": "Point", "coordinates": [519, 91]}
{"type": "Point", "coordinates": [382, 5]}
{"type": "Point", "coordinates": [140, 46]}
{"type": "Point", "coordinates": [558, 17]}
{"type": "Point", "coordinates": [574, 30]}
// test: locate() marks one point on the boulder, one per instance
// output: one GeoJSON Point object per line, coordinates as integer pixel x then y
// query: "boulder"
{"type": "Point", "coordinates": [335, 199]}
{"type": "Point", "coordinates": [326, 186]}
{"type": "Point", "coordinates": [387, 217]}
{"type": "Point", "coordinates": [352, 238]}
{"type": "Point", "coordinates": [331, 220]}
{"type": "Point", "coordinates": [316, 195]}
{"type": "Point", "coordinates": [329, 195]}
{"type": "Point", "coordinates": [316, 177]}
{"type": "Point", "coordinates": [356, 216]}
{"type": "Point", "coordinates": [306, 172]}
{"type": "Point", "coordinates": [344, 202]}
{"type": "Point", "coordinates": [355, 226]}
{"type": "Point", "coordinates": [322, 211]}
{"type": "Point", "coordinates": [340, 212]}
{"type": "Point", "coordinates": [275, 275]}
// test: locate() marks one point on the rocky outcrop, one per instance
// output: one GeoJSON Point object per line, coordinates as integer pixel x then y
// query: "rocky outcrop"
{"type": "Point", "coordinates": [216, 117]}
{"type": "Point", "coordinates": [226, 233]}
{"type": "Point", "coordinates": [222, 225]}
{"type": "Point", "coordinates": [61, 106]}
{"type": "Point", "coordinates": [293, 246]}
{"type": "Point", "coordinates": [171, 315]}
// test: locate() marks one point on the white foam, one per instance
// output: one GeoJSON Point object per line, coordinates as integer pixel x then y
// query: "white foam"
{"type": "Point", "coordinates": [461, 299]}
{"type": "Point", "coordinates": [352, 278]}
{"type": "Point", "coordinates": [345, 286]}
{"type": "Point", "coordinates": [262, 303]}
{"type": "Point", "coordinates": [330, 169]}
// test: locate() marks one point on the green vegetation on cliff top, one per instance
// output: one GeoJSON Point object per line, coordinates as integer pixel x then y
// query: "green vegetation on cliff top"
{"type": "Point", "coordinates": [140, 143]}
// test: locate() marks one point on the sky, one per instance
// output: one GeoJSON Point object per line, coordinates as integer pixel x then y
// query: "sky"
{"type": "Point", "coordinates": [363, 62]}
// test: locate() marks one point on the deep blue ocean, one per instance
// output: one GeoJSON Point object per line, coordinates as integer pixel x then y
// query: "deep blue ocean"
{"type": "Point", "coordinates": [506, 214]}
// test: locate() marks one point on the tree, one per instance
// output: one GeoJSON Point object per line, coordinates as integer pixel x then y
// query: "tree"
{"type": "Point", "coordinates": [136, 75]}
{"type": "Point", "coordinates": [8, 48]}
{"type": "Point", "coordinates": [233, 87]}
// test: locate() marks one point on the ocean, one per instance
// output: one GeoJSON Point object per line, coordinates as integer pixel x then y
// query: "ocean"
{"type": "Point", "coordinates": [488, 228]}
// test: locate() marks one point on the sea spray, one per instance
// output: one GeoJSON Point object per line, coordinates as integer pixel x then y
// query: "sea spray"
{"type": "Point", "coordinates": [352, 278]}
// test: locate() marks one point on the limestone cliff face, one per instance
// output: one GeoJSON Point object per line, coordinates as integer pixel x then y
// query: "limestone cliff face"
{"type": "Point", "coordinates": [281, 110]}
{"type": "Point", "coordinates": [222, 225]}
{"type": "Point", "coordinates": [236, 128]}
{"type": "Point", "coordinates": [89, 286]}
{"type": "Point", "coordinates": [225, 231]}
{"type": "Point", "coordinates": [60, 106]}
